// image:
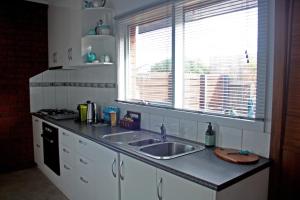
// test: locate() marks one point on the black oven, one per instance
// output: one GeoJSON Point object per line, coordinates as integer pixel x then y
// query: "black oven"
{"type": "Point", "coordinates": [51, 147]}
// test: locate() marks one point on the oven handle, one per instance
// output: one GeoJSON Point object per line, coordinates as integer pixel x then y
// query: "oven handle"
{"type": "Point", "coordinates": [46, 139]}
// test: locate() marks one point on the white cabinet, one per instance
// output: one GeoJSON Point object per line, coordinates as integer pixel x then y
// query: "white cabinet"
{"type": "Point", "coordinates": [37, 141]}
{"type": "Point", "coordinates": [171, 187]}
{"type": "Point", "coordinates": [138, 180]}
{"type": "Point", "coordinates": [67, 163]}
{"type": "Point", "coordinates": [68, 26]}
{"type": "Point", "coordinates": [107, 175]}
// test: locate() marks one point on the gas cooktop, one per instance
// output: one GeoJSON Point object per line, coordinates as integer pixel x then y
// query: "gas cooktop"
{"type": "Point", "coordinates": [58, 114]}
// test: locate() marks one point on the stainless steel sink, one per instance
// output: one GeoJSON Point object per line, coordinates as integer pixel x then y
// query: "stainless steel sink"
{"type": "Point", "coordinates": [144, 142]}
{"type": "Point", "coordinates": [169, 150]}
{"type": "Point", "coordinates": [125, 137]}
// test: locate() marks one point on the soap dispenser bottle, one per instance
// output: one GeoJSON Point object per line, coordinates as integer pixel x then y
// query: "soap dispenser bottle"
{"type": "Point", "coordinates": [210, 136]}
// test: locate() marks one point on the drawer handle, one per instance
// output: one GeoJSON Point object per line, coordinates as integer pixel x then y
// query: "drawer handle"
{"type": "Point", "coordinates": [38, 146]}
{"type": "Point", "coordinates": [82, 142]}
{"type": "Point", "coordinates": [65, 150]}
{"type": "Point", "coordinates": [66, 167]}
{"type": "Point", "coordinates": [83, 162]}
{"type": "Point", "coordinates": [113, 166]}
{"type": "Point", "coordinates": [83, 180]}
{"type": "Point", "coordinates": [36, 120]}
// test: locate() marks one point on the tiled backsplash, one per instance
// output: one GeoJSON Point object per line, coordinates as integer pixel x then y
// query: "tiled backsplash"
{"type": "Point", "coordinates": [67, 89]}
{"type": "Point", "coordinates": [64, 89]}
{"type": "Point", "coordinates": [187, 126]}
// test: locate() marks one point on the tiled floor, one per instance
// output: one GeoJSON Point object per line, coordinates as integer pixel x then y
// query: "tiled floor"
{"type": "Point", "coordinates": [28, 184]}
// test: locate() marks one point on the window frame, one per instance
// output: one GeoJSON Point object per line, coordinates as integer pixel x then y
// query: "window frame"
{"type": "Point", "coordinates": [177, 105]}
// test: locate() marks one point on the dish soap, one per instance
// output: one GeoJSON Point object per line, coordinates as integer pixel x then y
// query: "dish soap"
{"type": "Point", "coordinates": [210, 137]}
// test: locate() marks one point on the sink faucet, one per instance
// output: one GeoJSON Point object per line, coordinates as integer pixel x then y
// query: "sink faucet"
{"type": "Point", "coordinates": [163, 133]}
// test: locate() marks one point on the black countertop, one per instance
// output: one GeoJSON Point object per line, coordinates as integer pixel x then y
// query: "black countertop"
{"type": "Point", "coordinates": [201, 167]}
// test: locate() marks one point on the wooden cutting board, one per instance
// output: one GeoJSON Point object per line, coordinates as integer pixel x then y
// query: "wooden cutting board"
{"type": "Point", "coordinates": [234, 156]}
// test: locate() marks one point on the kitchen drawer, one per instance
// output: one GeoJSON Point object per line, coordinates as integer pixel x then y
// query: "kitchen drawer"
{"type": "Point", "coordinates": [67, 138]}
{"type": "Point", "coordinates": [68, 180]}
{"type": "Point", "coordinates": [86, 147]}
{"type": "Point", "coordinates": [84, 164]}
{"type": "Point", "coordinates": [67, 155]}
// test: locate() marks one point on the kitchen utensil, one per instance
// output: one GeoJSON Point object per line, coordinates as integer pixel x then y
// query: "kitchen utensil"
{"type": "Point", "coordinates": [82, 110]}
{"type": "Point", "coordinates": [236, 156]}
{"type": "Point", "coordinates": [91, 112]}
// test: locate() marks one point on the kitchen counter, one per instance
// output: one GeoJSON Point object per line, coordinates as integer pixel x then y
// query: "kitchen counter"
{"type": "Point", "coordinates": [202, 167]}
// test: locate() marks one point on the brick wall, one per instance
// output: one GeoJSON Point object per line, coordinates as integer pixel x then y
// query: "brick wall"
{"type": "Point", "coordinates": [23, 53]}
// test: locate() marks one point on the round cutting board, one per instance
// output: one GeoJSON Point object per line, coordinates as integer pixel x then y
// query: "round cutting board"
{"type": "Point", "coordinates": [234, 156]}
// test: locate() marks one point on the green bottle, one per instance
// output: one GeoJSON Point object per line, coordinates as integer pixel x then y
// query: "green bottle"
{"type": "Point", "coordinates": [210, 137]}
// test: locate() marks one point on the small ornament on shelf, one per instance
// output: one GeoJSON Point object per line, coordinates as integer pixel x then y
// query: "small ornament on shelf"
{"type": "Point", "coordinates": [94, 3]}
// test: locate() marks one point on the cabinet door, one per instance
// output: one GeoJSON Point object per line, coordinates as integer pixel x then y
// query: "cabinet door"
{"type": "Point", "coordinates": [85, 179]}
{"type": "Point", "coordinates": [171, 187]}
{"type": "Point", "coordinates": [75, 34]}
{"type": "Point", "coordinates": [107, 176]}
{"type": "Point", "coordinates": [37, 141]}
{"type": "Point", "coordinates": [58, 32]}
{"type": "Point", "coordinates": [138, 180]}
{"type": "Point", "coordinates": [68, 174]}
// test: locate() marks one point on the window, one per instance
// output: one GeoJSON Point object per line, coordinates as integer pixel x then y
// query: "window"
{"type": "Point", "coordinates": [198, 55]}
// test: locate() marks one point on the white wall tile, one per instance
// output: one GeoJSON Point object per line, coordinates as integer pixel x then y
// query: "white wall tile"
{"type": "Point", "coordinates": [36, 99]}
{"type": "Point", "coordinates": [202, 127]}
{"type": "Point", "coordinates": [36, 78]}
{"type": "Point", "coordinates": [49, 97]}
{"type": "Point", "coordinates": [61, 76]}
{"type": "Point", "coordinates": [145, 123]}
{"type": "Point", "coordinates": [49, 76]}
{"type": "Point", "coordinates": [61, 97]}
{"type": "Point", "coordinates": [188, 129]}
{"type": "Point", "coordinates": [229, 138]}
{"type": "Point", "coordinates": [155, 122]}
{"type": "Point", "coordinates": [172, 125]}
{"type": "Point", "coordinates": [258, 143]}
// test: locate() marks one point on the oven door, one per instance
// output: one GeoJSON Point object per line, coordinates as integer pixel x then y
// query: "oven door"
{"type": "Point", "coordinates": [51, 148]}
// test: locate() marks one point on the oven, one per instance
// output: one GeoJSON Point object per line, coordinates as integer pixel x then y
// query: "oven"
{"type": "Point", "coordinates": [51, 147]}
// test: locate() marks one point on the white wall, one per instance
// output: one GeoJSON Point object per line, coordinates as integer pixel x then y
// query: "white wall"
{"type": "Point", "coordinates": [123, 6]}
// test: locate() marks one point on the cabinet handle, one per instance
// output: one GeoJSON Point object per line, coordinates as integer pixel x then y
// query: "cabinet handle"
{"type": "Point", "coordinates": [66, 167]}
{"type": "Point", "coordinates": [159, 189]}
{"type": "Point", "coordinates": [82, 142]}
{"type": "Point", "coordinates": [83, 180]}
{"type": "Point", "coordinates": [65, 150]}
{"type": "Point", "coordinates": [121, 170]}
{"type": "Point", "coordinates": [38, 146]}
{"type": "Point", "coordinates": [36, 120]}
{"type": "Point", "coordinates": [83, 162]}
{"type": "Point", "coordinates": [113, 166]}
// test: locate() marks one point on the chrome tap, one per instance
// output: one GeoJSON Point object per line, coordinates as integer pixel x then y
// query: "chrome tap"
{"type": "Point", "coordinates": [163, 133]}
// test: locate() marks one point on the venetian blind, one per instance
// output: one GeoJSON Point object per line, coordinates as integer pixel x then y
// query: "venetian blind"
{"type": "Point", "coordinates": [224, 48]}
{"type": "Point", "coordinates": [149, 74]}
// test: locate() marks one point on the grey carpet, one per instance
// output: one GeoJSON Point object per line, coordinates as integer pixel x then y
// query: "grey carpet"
{"type": "Point", "coordinates": [29, 184]}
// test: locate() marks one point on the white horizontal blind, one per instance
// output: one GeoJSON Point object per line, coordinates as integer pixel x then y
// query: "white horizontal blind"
{"type": "Point", "coordinates": [149, 57]}
{"type": "Point", "coordinates": [220, 57]}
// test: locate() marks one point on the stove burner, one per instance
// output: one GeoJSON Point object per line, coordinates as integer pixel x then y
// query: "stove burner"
{"type": "Point", "coordinates": [59, 113]}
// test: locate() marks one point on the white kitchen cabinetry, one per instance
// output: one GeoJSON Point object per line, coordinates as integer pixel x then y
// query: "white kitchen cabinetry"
{"type": "Point", "coordinates": [58, 31]}
{"type": "Point", "coordinates": [85, 178]}
{"type": "Point", "coordinates": [171, 187]}
{"type": "Point", "coordinates": [107, 175]}
{"type": "Point", "coordinates": [68, 39]}
{"type": "Point", "coordinates": [67, 162]}
{"type": "Point", "coordinates": [37, 141]}
{"type": "Point", "coordinates": [138, 180]}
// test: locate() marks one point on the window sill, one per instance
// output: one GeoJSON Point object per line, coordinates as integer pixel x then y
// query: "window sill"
{"type": "Point", "coordinates": [245, 124]}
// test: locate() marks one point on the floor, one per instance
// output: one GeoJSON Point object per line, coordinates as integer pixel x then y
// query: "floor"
{"type": "Point", "coordinates": [29, 184]}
